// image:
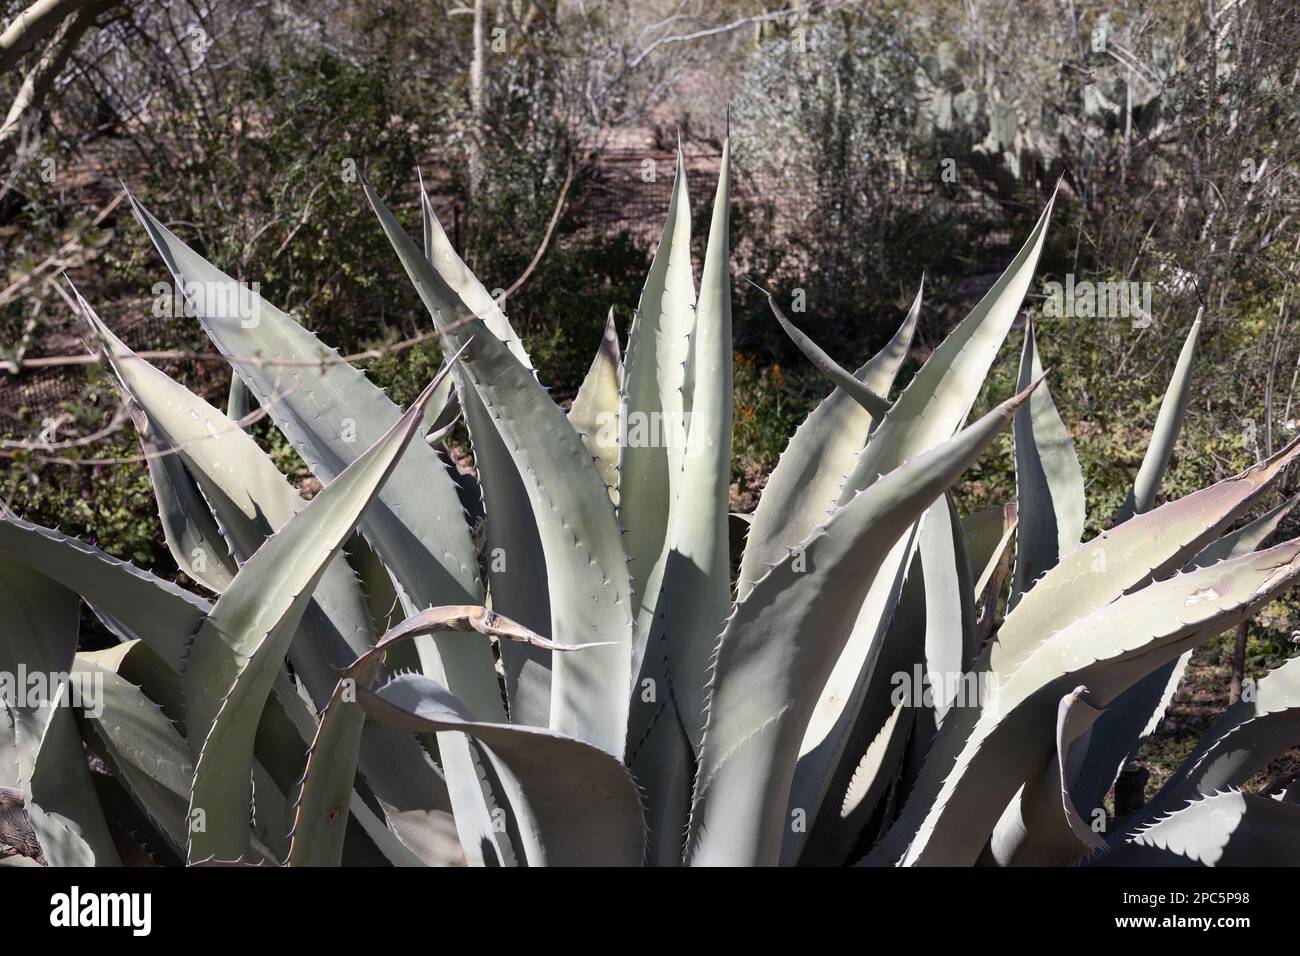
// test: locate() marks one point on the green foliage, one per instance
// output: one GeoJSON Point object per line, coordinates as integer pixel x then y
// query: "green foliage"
{"type": "Point", "coordinates": [561, 309]}
{"type": "Point", "coordinates": [110, 504]}
{"type": "Point", "coordinates": [767, 409]}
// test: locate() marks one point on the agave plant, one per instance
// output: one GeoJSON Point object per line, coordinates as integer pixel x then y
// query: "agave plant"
{"type": "Point", "coordinates": [547, 662]}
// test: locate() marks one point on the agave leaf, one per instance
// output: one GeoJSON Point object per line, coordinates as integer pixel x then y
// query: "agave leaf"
{"type": "Point", "coordinates": [874, 404]}
{"type": "Point", "coordinates": [1107, 651]}
{"type": "Point", "coordinates": [988, 535]}
{"type": "Point", "coordinates": [1076, 720]}
{"type": "Point", "coordinates": [40, 640]}
{"type": "Point", "coordinates": [595, 409]}
{"type": "Point", "coordinates": [950, 642]}
{"type": "Point", "coordinates": [803, 486]}
{"type": "Point", "coordinates": [931, 408]}
{"type": "Point", "coordinates": [652, 420]}
{"type": "Point", "coordinates": [938, 399]}
{"type": "Point", "coordinates": [876, 771]}
{"type": "Point", "coordinates": [320, 825]}
{"type": "Point", "coordinates": [516, 561]}
{"type": "Point", "coordinates": [930, 640]}
{"type": "Point", "coordinates": [838, 829]}
{"type": "Point", "coordinates": [694, 592]}
{"type": "Point", "coordinates": [1169, 423]}
{"type": "Point", "coordinates": [1136, 714]}
{"type": "Point", "coordinates": [1121, 560]}
{"type": "Point", "coordinates": [662, 758]}
{"type": "Point", "coordinates": [781, 643]}
{"type": "Point", "coordinates": [249, 502]}
{"type": "Point", "coordinates": [442, 255]}
{"type": "Point", "coordinates": [377, 585]}
{"type": "Point", "coordinates": [1128, 556]}
{"type": "Point", "coordinates": [15, 825]}
{"type": "Point", "coordinates": [239, 399]}
{"type": "Point", "coordinates": [330, 413]}
{"type": "Point", "coordinates": [161, 614]}
{"type": "Point", "coordinates": [240, 647]}
{"type": "Point", "coordinates": [134, 662]}
{"type": "Point", "coordinates": [146, 753]}
{"type": "Point", "coordinates": [1224, 829]}
{"type": "Point", "coordinates": [539, 767]}
{"type": "Point", "coordinates": [855, 698]}
{"type": "Point", "coordinates": [1049, 481]}
{"type": "Point", "coordinates": [326, 788]}
{"type": "Point", "coordinates": [192, 533]}
{"type": "Point", "coordinates": [1043, 827]}
{"type": "Point", "coordinates": [1249, 735]}
{"type": "Point", "coordinates": [162, 617]}
{"type": "Point", "coordinates": [585, 562]}
{"type": "Point", "coordinates": [519, 581]}
{"type": "Point", "coordinates": [247, 495]}
{"type": "Point", "coordinates": [1244, 539]}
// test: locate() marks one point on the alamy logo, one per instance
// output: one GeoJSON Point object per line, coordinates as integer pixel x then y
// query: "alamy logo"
{"type": "Point", "coordinates": [1098, 300]}
{"type": "Point", "coordinates": [28, 690]}
{"type": "Point", "coordinates": [74, 909]}
{"type": "Point", "coordinates": [239, 301]}
{"type": "Point", "coordinates": [642, 429]}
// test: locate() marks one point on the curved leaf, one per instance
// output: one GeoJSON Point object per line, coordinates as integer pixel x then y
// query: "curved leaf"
{"type": "Point", "coordinates": [249, 499]}
{"type": "Point", "coordinates": [41, 620]}
{"type": "Point", "coordinates": [1225, 829]}
{"type": "Point", "coordinates": [330, 413]}
{"type": "Point", "coordinates": [1049, 481]}
{"type": "Point", "coordinates": [1121, 560]}
{"type": "Point", "coordinates": [145, 751]}
{"type": "Point", "coordinates": [240, 647]}
{"type": "Point", "coordinates": [652, 419]}
{"type": "Point", "coordinates": [1249, 735]}
{"type": "Point", "coordinates": [1169, 423]}
{"type": "Point", "coordinates": [930, 640]}
{"type": "Point", "coordinates": [1107, 651]}
{"type": "Point", "coordinates": [161, 614]}
{"type": "Point", "coordinates": [1043, 827]}
{"type": "Point", "coordinates": [781, 643]}
{"type": "Point", "coordinates": [930, 409]}
{"type": "Point", "coordinates": [586, 566]}
{"type": "Point", "coordinates": [594, 412]}
{"type": "Point", "coordinates": [192, 534]}
{"type": "Point", "coordinates": [326, 787]}
{"type": "Point", "coordinates": [938, 399]}
{"type": "Point", "coordinates": [806, 480]}
{"type": "Point", "coordinates": [552, 780]}
{"type": "Point", "coordinates": [835, 836]}
{"type": "Point", "coordinates": [442, 255]}
{"type": "Point", "coordinates": [874, 404]}
{"type": "Point", "coordinates": [1135, 715]}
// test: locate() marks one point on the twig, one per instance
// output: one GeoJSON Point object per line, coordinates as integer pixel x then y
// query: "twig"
{"type": "Point", "coordinates": [546, 237]}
